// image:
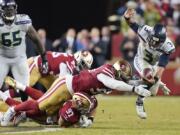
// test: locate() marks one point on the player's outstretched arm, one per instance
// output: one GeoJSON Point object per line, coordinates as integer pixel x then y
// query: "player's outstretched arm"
{"type": "Point", "coordinates": [35, 38]}
{"type": "Point", "coordinates": [122, 86]}
{"type": "Point", "coordinates": [128, 15]}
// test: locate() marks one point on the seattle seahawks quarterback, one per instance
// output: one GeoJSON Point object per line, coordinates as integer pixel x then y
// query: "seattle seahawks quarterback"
{"type": "Point", "coordinates": [13, 30]}
{"type": "Point", "coordinates": [152, 56]}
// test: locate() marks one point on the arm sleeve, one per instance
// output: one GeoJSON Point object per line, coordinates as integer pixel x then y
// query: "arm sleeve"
{"type": "Point", "coordinates": [114, 84]}
{"type": "Point", "coordinates": [134, 26]}
{"type": "Point", "coordinates": [63, 69]}
{"type": "Point", "coordinates": [163, 60]}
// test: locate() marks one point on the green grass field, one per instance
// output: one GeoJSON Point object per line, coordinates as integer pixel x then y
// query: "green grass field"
{"type": "Point", "coordinates": [117, 116]}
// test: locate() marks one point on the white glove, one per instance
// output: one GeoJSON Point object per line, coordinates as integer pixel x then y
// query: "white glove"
{"type": "Point", "coordinates": [140, 90]}
{"type": "Point", "coordinates": [84, 122]}
{"type": "Point", "coordinates": [165, 89]}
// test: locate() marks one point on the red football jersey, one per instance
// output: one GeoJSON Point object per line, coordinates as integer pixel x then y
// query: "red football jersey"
{"type": "Point", "coordinates": [71, 115]}
{"type": "Point", "coordinates": [54, 60]}
{"type": "Point", "coordinates": [68, 114]}
{"type": "Point", "coordinates": [86, 81]}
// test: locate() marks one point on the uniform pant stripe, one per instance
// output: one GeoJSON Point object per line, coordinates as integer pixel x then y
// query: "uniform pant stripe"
{"type": "Point", "coordinates": [32, 65]}
{"type": "Point", "coordinates": [51, 91]}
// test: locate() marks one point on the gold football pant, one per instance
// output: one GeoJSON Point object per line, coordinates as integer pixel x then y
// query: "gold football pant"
{"type": "Point", "coordinates": [35, 75]}
{"type": "Point", "coordinates": [54, 98]}
{"type": "Point", "coordinates": [3, 106]}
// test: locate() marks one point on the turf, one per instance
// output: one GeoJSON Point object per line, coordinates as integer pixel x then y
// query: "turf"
{"type": "Point", "coordinates": [117, 116]}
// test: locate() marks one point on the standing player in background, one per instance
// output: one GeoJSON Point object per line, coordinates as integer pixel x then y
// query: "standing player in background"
{"type": "Point", "coordinates": [13, 30]}
{"type": "Point", "coordinates": [152, 57]}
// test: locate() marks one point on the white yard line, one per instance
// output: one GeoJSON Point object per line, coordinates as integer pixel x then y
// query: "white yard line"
{"type": "Point", "coordinates": [35, 131]}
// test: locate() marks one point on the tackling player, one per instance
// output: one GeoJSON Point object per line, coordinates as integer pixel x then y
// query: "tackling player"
{"type": "Point", "coordinates": [96, 81]}
{"type": "Point", "coordinates": [13, 30]}
{"type": "Point", "coordinates": [60, 64]}
{"type": "Point", "coordinates": [152, 57]}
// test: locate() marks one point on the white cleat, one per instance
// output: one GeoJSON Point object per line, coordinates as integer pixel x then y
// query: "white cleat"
{"type": "Point", "coordinates": [8, 116]}
{"type": "Point", "coordinates": [141, 112]}
{"type": "Point", "coordinates": [1, 115]}
{"type": "Point", "coordinates": [17, 119]}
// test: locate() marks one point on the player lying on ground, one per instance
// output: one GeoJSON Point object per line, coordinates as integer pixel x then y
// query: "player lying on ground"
{"type": "Point", "coordinates": [96, 81]}
{"type": "Point", "coordinates": [13, 30]}
{"type": "Point", "coordinates": [152, 56]}
{"type": "Point", "coordinates": [79, 111]}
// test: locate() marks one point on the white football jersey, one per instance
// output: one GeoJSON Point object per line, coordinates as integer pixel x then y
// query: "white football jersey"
{"type": "Point", "coordinates": [12, 37]}
{"type": "Point", "coordinates": [151, 55]}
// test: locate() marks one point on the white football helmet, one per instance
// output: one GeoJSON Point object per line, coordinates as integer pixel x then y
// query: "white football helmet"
{"type": "Point", "coordinates": [83, 101]}
{"type": "Point", "coordinates": [84, 59]}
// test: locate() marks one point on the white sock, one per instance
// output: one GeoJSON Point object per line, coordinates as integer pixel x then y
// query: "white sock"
{"type": "Point", "coordinates": [20, 86]}
{"type": "Point", "coordinates": [12, 109]}
{"type": "Point", "coordinates": [7, 93]}
{"type": "Point", "coordinates": [3, 96]}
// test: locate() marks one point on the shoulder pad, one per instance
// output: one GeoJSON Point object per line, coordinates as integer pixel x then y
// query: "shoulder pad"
{"type": "Point", "coordinates": [168, 47]}
{"type": "Point", "coordinates": [143, 32]}
{"type": "Point", "coordinates": [22, 19]}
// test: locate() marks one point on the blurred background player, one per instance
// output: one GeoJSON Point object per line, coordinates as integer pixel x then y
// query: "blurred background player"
{"type": "Point", "coordinates": [13, 30]}
{"type": "Point", "coordinates": [152, 56]}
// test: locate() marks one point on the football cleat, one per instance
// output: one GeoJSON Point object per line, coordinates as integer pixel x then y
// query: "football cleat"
{"type": "Point", "coordinates": [8, 116]}
{"type": "Point", "coordinates": [1, 115]}
{"type": "Point", "coordinates": [17, 119]}
{"type": "Point", "coordinates": [10, 81]}
{"type": "Point", "coordinates": [141, 111]}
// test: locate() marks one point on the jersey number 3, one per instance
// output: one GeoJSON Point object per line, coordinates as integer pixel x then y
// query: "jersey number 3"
{"type": "Point", "coordinates": [11, 39]}
{"type": "Point", "coordinates": [148, 56]}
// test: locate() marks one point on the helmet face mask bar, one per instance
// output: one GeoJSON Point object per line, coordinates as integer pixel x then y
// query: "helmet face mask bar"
{"type": "Point", "coordinates": [82, 65]}
{"type": "Point", "coordinates": [82, 102]}
{"type": "Point", "coordinates": [84, 60]}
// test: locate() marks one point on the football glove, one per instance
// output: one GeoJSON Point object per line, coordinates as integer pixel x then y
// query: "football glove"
{"type": "Point", "coordinates": [44, 66]}
{"type": "Point", "coordinates": [141, 90]}
{"type": "Point", "coordinates": [84, 122]}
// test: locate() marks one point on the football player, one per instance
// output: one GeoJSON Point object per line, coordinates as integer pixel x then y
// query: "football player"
{"type": "Point", "coordinates": [152, 56]}
{"type": "Point", "coordinates": [92, 82]}
{"type": "Point", "coordinates": [60, 64]}
{"type": "Point", "coordinates": [79, 111]}
{"type": "Point", "coordinates": [13, 30]}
